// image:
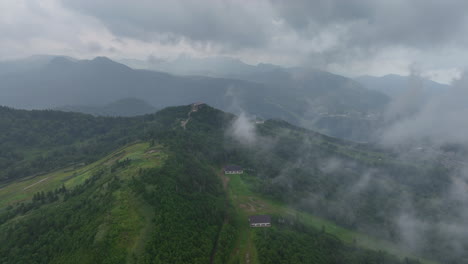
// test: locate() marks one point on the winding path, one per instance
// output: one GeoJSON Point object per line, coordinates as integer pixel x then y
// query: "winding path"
{"type": "Point", "coordinates": [194, 108]}
{"type": "Point", "coordinates": [45, 179]}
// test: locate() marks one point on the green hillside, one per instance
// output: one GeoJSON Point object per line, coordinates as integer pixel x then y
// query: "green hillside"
{"type": "Point", "coordinates": [121, 192]}
{"type": "Point", "coordinates": [152, 191]}
{"type": "Point", "coordinates": [254, 244]}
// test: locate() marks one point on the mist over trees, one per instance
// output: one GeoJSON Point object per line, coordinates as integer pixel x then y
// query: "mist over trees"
{"type": "Point", "coordinates": [398, 197]}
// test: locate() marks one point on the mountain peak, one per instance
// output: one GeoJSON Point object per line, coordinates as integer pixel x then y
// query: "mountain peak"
{"type": "Point", "coordinates": [60, 61]}
{"type": "Point", "coordinates": [102, 59]}
{"type": "Point", "coordinates": [105, 61]}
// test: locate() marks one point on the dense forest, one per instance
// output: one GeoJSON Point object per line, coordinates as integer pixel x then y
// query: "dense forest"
{"type": "Point", "coordinates": [174, 209]}
{"type": "Point", "coordinates": [305, 245]}
{"type": "Point", "coordinates": [35, 142]}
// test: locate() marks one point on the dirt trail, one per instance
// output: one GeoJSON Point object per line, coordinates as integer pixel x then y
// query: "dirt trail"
{"type": "Point", "coordinates": [25, 188]}
{"type": "Point", "coordinates": [194, 108]}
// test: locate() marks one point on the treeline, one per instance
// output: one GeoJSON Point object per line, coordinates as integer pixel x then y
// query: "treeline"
{"type": "Point", "coordinates": [38, 199]}
{"type": "Point", "coordinates": [186, 193]}
{"type": "Point", "coordinates": [34, 142]}
{"type": "Point", "coordinates": [292, 242]}
{"type": "Point", "coordinates": [189, 208]}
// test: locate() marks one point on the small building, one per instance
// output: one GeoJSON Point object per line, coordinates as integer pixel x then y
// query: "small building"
{"type": "Point", "coordinates": [260, 221]}
{"type": "Point", "coordinates": [233, 169]}
{"type": "Point", "coordinates": [198, 104]}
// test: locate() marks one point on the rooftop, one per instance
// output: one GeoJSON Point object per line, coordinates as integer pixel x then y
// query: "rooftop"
{"type": "Point", "coordinates": [254, 219]}
{"type": "Point", "coordinates": [232, 168]}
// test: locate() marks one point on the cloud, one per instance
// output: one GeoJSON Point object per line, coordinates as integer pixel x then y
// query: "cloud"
{"type": "Point", "coordinates": [411, 230]}
{"type": "Point", "coordinates": [345, 36]}
{"type": "Point", "coordinates": [410, 101]}
{"type": "Point", "coordinates": [441, 120]}
{"type": "Point", "coordinates": [228, 23]}
{"type": "Point", "coordinates": [49, 27]}
{"type": "Point", "coordinates": [35, 27]}
{"type": "Point", "coordinates": [372, 23]}
{"type": "Point", "coordinates": [243, 130]}
{"type": "Point", "coordinates": [319, 33]}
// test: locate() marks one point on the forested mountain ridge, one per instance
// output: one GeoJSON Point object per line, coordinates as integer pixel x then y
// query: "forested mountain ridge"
{"type": "Point", "coordinates": [314, 99]}
{"type": "Point", "coordinates": [33, 142]}
{"type": "Point", "coordinates": [173, 181]}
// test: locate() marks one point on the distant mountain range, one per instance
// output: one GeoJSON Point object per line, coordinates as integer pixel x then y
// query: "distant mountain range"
{"type": "Point", "coordinates": [212, 66]}
{"type": "Point", "coordinates": [34, 62]}
{"type": "Point", "coordinates": [319, 100]}
{"type": "Point", "coordinates": [396, 85]}
{"type": "Point", "coordinates": [123, 107]}
{"type": "Point", "coordinates": [226, 67]}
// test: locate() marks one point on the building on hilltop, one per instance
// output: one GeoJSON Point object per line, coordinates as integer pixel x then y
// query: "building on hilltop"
{"type": "Point", "coordinates": [233, 169]}
{"type": "Point", "coordinates": [260, 221]}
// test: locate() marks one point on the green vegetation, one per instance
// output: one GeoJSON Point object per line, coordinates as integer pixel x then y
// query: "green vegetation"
{"type": "Point", "coordinates": [298, 244]}
{"type": "Point", "coordinates": [255, 243]}
{"type": "Point", "coordinates": [23, 191]}
{"type": "Point", "coordinates": [144, 203]}
{"type": "Point", "coordinates": [188, 215]}
{"type": "Point", "coordinates": [355, 186]}
{"type": "Point", "coordinates": [101, 216]}
{"type": "Point", "coordinates": [35, 142]}
{"type": "Point", "coordinates": [147, 190]}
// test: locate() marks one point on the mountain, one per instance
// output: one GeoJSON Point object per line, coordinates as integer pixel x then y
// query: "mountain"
{"type": "Point", "coordinates": [334, 105]}
{"type": "Point", "coordinates": [329, 103]}
{"type": "Point", "coordinates": [150, 189]}
{"type": "Point", "coordinates": [33, 142]}
{"type": "Point", "coordinates": [223, 67]}
{"type": "Point", "coordinates": [30, 63]}
{"type": "Point", "coordinates": [396, 85]}
{"type": "Point", "coordinates": [123, 107]}
{"type": "Point", "coordinates": [328, 88]}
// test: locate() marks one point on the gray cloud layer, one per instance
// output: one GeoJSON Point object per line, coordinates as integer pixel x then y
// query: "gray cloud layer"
{"type": "Point", "coordinates": [418, 23]}
{"type": "Point", "coordinates": [439, 120]}
{"type": "Point", "coordinates": [229, 23]}
{"type": "Point", "coordinates": [377, 36]}
{"type": "Point", "coordinates": [414, 23]}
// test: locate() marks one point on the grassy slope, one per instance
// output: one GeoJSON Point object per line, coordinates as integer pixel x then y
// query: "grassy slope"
{"type": "Point", "coordinates": [23, 190]}
{"type": "Point", "coordinates": [127, 222]}
{"type": "Point", "coordinates": [248, 203]}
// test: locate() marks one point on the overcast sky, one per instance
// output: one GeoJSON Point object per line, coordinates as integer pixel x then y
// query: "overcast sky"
{"type": "Point", "coordinates": [350, 37]}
